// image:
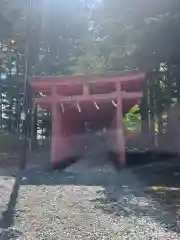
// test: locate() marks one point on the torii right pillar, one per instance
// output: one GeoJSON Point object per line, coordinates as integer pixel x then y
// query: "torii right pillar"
{"type": "Point", "coordinates": [120, 127]}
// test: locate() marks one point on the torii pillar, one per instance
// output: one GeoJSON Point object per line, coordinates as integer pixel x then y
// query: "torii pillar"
{"type": "Point", "coordinates": [120, 126]}
{"type": "Point", "coordinates": [56, 141]}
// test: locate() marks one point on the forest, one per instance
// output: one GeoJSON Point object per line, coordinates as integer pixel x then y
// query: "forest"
{"type": "Point", "coordinates": [91, 37]}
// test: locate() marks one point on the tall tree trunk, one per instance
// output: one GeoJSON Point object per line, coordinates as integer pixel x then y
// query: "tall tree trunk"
{"type": "Point", "coordinates": [1, 110]}
{"type": "Point", "coordinates": [159, 108]}
{"type": "Point", "coordinates": [178, 84]}
{"type": "Point", "coordinates": [168, 93]}
{"type": "Point", "coordinates": [10, 116]}
{"type": "Point", "coordinates": [144, 112]}
{"type": "Point", "coordinates": [144, 109]}
{"type": "Point", "coordinates": [34, 129]}
{"type": "Point", "coordinates": [152, 107]}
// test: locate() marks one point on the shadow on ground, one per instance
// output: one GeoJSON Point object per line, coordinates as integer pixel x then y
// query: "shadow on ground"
{"type": "Point", "coordinates": [122, 205]}
{"type": "Point", "coordinates": [39, 176]}
{"type": "Point", "coordinates": [140, 158]}
{"type": "Point", "coordinates": [7, 217]}
{"type": "Point", "coordinates": [163, 185]}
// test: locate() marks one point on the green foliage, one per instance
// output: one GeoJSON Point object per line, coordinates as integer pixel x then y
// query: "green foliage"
{"type": "Point", "coordinates": [89, 64]}
{"type": "Point", "coordinates": [138, 34]}
{"type": "Point", "coordinates": [132, 119]}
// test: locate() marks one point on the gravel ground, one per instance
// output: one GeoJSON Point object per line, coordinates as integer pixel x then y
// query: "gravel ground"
{"type": "Point", "coordinates": [87, 201]}
{"type": "Point", "coordinates": [7, 179]}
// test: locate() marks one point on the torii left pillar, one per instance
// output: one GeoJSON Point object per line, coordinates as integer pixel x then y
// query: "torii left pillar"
{"type": "Point", "coordinates": [56, 141]}
{"type": "Point", "coordinates": [120, 127]}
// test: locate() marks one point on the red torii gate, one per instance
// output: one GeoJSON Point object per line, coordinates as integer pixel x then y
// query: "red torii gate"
{"type": "Point", "coordinates": [72, 99]}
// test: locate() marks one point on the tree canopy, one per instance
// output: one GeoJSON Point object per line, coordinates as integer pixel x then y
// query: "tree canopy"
{"type": "Point", "coordinates": [122, 34]}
